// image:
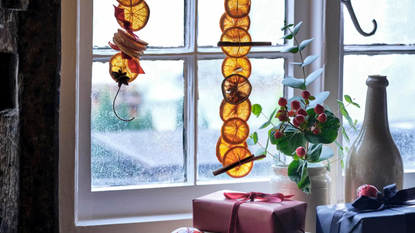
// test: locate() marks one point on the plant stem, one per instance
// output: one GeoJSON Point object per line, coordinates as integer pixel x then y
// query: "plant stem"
{"type": "Point", "coordinates": [330, 162]}
{"type": "Point", "coordinates": [301, 55]}
{"type": "Point", "coordinates": [345, 106]}
{"type": "Point", "coordinates": [271, 154]}
{"type": "Point", "coordinates": [267, 119]}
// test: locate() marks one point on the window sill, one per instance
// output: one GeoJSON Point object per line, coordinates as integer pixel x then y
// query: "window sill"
{"type": "Point", "coordinates": [131, 220]}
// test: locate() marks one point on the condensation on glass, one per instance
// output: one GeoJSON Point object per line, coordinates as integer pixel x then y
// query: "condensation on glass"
{"type": "Point", "coordinates": [165, 27]}
{"type": "Point", "coordinates": [267, 18]}
{"type": "Point", "coordinates": [400, 94]}
{"type": "Point", "coordinates": [266, 78]}
{"type": "Point", "coordinates": [394, 18]}
{"type": "Point", "coordinates": [149, 149]}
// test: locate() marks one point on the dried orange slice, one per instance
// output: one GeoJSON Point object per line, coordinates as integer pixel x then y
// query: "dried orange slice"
{"type": "Point", "coordinates": [237, 8]}
{"type": "Point", "coordinates": [242, 110]}
{"type": "Point", "coordinates": [235, 131]}
{"type": "Point", "coordinates": [236, 35]}
{"type": "Point", "coordinates": [137, 15]}
{"type": "Point", "coordinates": [118, 63]}
{"type": "Point", "coordinates": [129, 2]}
{"type": "Point", "coordinates": [222, 147]}
{"type": "Point", "coordinates": [228, 22]}
{"type": "Point", "coordinates": [236, 154]}
{"type": "Point", "coordinates": [236, 89]}
{"type": "Point", "coordinates": [241, 66]}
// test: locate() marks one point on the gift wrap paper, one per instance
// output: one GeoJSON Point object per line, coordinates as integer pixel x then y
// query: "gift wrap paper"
{"type": "Point", "coordinates": [397, 219]}
{"type": "Point", "coordinates": [212, 213]}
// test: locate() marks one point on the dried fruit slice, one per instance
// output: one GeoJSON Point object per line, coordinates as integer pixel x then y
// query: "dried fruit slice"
{"type": "Point", "coordinates": [118, 63]}
{"type": "Point", "coordinates": [236, 35]}
{"type": "Point", "coordinates": [129, 2]}
{"type": "Point", "coordinates": [235, 131]}
{"type": "Point", "coordinates": [242, 110]}
{"type": "Point", "coordinates": [236, 89]}
{"type": "Point", "coordinates": [237, 8]}
{"type": "Point", "coordinates": [137, 15]}
{"type": "Point", "coordinates": [236, 154]}
{"type": "Point", "coordinates": [241, 66]}
{"type": "Point", "coordinates": [228, 22]}
{"type": "Point", "coordinates": [222, 147]}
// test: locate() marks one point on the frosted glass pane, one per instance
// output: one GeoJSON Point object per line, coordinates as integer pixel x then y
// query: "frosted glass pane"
{"type": "Point", "coordinates": [149, 149]}
{"type": "Point", "coordinates": [165, 28]}
{"type": "Point", "coordinates": [265, 79]}
{"type": "Point", "coordinates": [394, 18]}
{"type": "Point", "coordinates": [267, 17]}
{"type": "Point", "coordinates": [400, 92]}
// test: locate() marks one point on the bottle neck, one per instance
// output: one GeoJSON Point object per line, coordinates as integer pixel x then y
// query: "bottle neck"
{"type": "Point", "coordinates": [376, 111]}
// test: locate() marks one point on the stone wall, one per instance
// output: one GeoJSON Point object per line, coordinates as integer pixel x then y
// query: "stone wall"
{"type": "Point", "coordinates": [29, 111]}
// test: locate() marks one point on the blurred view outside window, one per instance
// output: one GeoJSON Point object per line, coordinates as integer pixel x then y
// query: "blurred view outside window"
{"type": "Point", "coordinates": [152, 148]}
{"type": "Point", "coordinates": [389, 52]}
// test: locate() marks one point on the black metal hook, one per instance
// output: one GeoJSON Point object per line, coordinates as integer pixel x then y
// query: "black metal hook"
{"type": "Point", "coordinates": [349, 6]}
{"type": "Point", "coordinates": [113, 105]}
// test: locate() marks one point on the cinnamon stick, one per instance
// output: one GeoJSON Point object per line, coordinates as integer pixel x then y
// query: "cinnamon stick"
{"type": "Point", "coordinates": [237, 44]}
{"type": "Point", "coordinates": [235, 164]}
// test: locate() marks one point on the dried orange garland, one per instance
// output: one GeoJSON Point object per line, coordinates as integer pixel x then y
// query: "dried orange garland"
{"type": "Point", "coordinates": [235, 41]}
{"type": "Point", "coordinates": [131, 15]}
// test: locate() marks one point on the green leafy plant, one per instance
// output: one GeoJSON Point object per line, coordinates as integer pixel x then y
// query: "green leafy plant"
{"type": "Point", "coordinates": [305, 125]}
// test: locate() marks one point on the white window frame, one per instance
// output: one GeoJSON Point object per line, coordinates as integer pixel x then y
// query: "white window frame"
{"type": "Point", "coordinates": [335, 53]}
{"type": "Point", "coordinates": [85, 211]}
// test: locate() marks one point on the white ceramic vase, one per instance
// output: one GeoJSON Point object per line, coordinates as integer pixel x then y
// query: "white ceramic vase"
{"type": "Point", "coordinates": [320, 190]}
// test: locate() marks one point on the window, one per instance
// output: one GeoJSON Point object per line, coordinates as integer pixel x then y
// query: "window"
{"type": "Point", "coordinates": [389, 52]}
{"type": "Point", "coordinates": [115, 202]}
{"type": "Point", "coordinates": [181, 85]}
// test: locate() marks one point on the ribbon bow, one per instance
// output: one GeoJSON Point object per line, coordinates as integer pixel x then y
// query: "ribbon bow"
{"type": "Point", "coordinates": [252, 196]}
{"type": "Point", "coordinates": [391, 196]}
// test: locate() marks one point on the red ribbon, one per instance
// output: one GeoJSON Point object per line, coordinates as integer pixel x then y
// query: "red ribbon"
{"type": "Point", "coordinates": [120, 15]}
{"type": "Point", "coordinates": [265, 197]}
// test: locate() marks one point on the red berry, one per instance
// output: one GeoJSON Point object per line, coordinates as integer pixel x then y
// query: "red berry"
{"type": "Point", "coordinates": [282, 117]}
{"type": "Point", "coordinates": [282, 102]}
{"type": "Point", "coordinates": [291, 113]}
{"type": "Point", "coordinates": [316, 130]}
{"type": "Point", "coordinates": [305, 95]}
{"type": "Point", "coordinates": [301, 111]}
{"type": "Point", "coordinates": [295, 105]}
{"type": "Point", "coordinates": [295, 122]}
{"type": "Point", "coordinates": [278, 134]}
{"type": "Point", "coordinates": [319, 109]}
{"type": "Point", "coordinates": [300, 151]}
{"type": "Point", "coordinates": [367, 190]}
{"type": "Point", "coordinates": [299, 118]}
{"type": "Point", "coordinates": [322, 118]}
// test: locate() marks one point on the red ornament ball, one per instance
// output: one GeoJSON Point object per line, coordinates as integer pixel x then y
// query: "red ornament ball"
{"type": "Point", "coordinates": [187, 230]}
{"type": "Point", "coordinates": [367, 190]}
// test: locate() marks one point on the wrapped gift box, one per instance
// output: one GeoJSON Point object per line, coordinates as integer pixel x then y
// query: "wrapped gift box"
{"type": "Point", "coordinates": [213, 213]}
{"type": "Point", "coordinates": [391, 220]}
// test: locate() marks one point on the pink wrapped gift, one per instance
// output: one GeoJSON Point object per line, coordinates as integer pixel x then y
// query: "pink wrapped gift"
{"type": "Point", "coordinates": [268, 213]}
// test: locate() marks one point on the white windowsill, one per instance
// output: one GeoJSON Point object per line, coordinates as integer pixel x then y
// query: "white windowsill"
{"type": "Point", "coordinates": [129, 220]}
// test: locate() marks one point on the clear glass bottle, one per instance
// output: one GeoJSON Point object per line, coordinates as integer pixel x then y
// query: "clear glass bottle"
{"type": "Point", "coordinates": [373, 158]}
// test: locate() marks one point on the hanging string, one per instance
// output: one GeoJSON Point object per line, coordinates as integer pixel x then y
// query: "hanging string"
{"type": "Point", "coordinates": [113, 105]}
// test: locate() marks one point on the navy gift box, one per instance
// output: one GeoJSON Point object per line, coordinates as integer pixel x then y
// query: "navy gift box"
{"type": "Point", "coordinates": [391, 220]}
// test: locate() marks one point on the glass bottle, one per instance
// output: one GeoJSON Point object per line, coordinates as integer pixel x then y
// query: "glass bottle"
{"type": "Point", "coordinates": [373, 158]}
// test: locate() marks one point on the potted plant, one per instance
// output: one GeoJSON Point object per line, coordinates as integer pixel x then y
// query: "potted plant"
{"type": "Point", "coordinates": [304, 128]}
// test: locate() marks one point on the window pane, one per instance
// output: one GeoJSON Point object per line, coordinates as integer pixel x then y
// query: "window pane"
{"type": "Point", "coordinates": [165, 28]}
{"type": "Point", "coordinates": [149, 149]}
{"type": "Point", "coordinates": [394, 18]}
{"type": "Point", "coordinates": [267, 17]}
{"type": "Point", "coordinates": [400, 73]}
{"type": "Point", "coordinates": [265, 79]}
